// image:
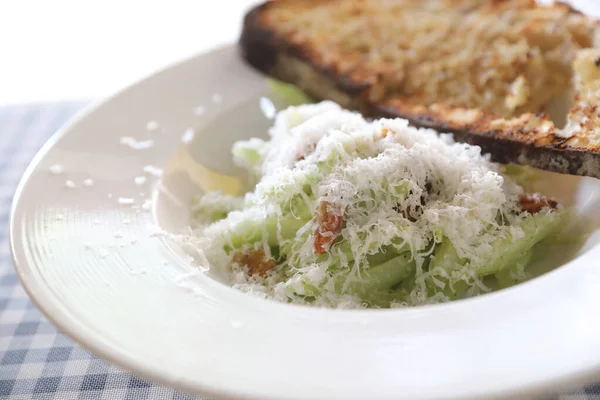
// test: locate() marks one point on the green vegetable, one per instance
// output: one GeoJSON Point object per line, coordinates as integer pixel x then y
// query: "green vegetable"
{"type": "Point", "coordinates": [379, 277]}
{"type": "Point", "coordinates": [213, 207]}
{"type": "Point", "coordinates": [384, 299]}
{"type": "Point", "coordinates": [253, 230]}
{"type": "Point", "coordinates": [509, 250]}
{"type": "Point", "coordinates": [445, 260]}
{"type": "Point", "coordinates": [246, 153]}
{"type": "Point", "coordinates": [508, 254]}
{"type": "Point", "coordinates": [523, 175]}
{"type": "Point", "coordinates": [373, 279]}
{"type": "Point", "coordinates": [287, 93]}
{"type": "Point", "coordinates": [509, 276]}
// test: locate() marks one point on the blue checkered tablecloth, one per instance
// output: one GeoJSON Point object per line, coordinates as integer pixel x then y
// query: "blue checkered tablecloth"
{"type": "Point", "coordinates": [37, 361]}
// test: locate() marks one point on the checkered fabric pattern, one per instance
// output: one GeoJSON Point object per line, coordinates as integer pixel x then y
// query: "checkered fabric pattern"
{"type": "Point", "coordinates": [36, 361]}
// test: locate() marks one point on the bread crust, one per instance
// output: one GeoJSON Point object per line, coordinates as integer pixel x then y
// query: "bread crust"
{"type": "Point", "coordinates": [530, 138]}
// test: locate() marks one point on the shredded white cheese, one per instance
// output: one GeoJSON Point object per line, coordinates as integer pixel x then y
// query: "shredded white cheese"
{"type": "Point", "coordinates": [126, 201]}
{"type": "Point", "coordinates": [154, 171]}
{"type": "Point", "coordinates": [56, 169]}
{"type": "Point", "coordinates": [151, 126]}
{"type": "Point", "coordinates": [188, 135]}
{"type": "Point", "coordinates": [199, 111]}
{"type": "Point", "coordinates": [267, 107]}
{"type": "Point", "coordinates": [147, 205]}
{"type": "Point", "coordinates": [135, 144]}
{"type": "Point", "coordinates": [396, 187]}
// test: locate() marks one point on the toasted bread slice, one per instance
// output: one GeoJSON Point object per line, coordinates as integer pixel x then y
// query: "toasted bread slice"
{"type": "Point", "coordinates": [481, 69]}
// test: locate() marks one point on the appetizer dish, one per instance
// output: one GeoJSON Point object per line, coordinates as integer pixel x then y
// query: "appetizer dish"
{"type": "Point", "coordinates": [347, 212]}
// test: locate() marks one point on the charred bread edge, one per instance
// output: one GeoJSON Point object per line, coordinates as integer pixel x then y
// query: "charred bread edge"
{"type": "Point", "coordinates": [266, 51]}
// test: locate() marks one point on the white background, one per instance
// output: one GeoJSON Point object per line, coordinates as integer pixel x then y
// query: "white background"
{"type": "Point", "coordinates": [66, 49]}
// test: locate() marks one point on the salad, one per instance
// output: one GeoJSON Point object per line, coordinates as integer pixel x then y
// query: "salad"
{"type": "Point", "coordinates": [347, 212]}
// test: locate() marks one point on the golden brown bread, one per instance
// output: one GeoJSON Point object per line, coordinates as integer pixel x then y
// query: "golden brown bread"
{"type": "Point", "coordinates": [481, 69]}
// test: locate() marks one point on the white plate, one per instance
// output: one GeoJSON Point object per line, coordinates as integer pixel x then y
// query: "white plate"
{"type": "Point", "coordinates": [122, 292]}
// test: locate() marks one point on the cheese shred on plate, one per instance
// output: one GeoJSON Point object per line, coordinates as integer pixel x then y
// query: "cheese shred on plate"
{"type": "Point", "coordinates": [354, 213]}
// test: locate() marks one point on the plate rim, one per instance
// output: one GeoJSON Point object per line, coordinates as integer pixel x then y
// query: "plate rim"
{"type": "Point", "coordinates": [76, 329]}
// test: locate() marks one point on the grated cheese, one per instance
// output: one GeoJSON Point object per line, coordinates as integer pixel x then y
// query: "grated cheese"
{"type": "Point", "coordinates": [140, 180]}
{"type": "Point", "coordinates": [199, 111]}
{"type": "Point", "coordinates": [57, 169]}
{"type": "Point", "coordinates": [396, 187]}
{"type": "Point", "coordinates": [267, 107]}
{"type": "Point", "coordinates": [147, 205]}
{"type": "Point", "coordinates": [135, 144]}
{"type": "Point", "coordinates": [188, 135]}
{"type": "Point", "coordinates": [154, 171]}
{"type": "Point", "coordinates": [151, 126]}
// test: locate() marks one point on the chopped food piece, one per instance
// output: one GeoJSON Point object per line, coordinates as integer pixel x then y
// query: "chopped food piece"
{"type": "Point", "coordinates": [256, 261]}
{"type": "Point", "coordinates": [329, 226]}
{"type": "Point", "coordinates": [534, 203]}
